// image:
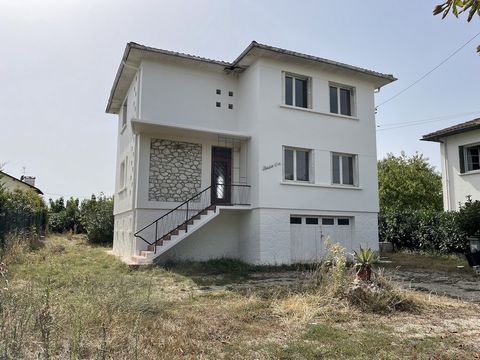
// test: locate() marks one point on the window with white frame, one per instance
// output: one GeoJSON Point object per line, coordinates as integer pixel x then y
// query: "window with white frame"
{"type": "Point", "coordinates": [124, 114]}
{"type": "Point", "coordinates": [341, 100]}
{"type": "Point", "coordinates": [297, 90]}
{"type": "Point", "coordinates": [344, 169]}
{"type": "Point", "coordinates": [296, 164]}
{"type": "Point", "coordinates": [123, 174]}
{"type": "Point", "coordinates": [471, 158]}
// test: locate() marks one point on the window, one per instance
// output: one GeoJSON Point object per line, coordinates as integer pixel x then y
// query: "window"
{"type": "Point", "coordinates": [219, 92]}
{"type": "Point", "coordinates": [296, 90]}
{"type": "Point", "coordinates": [123, 174]}
{"type": "Point", "coordinates": [311, 221]}
{"type": "Point", "coordinates": [343, 169]}
{"type": "Point", "coordinates": [327, 221]}
{"type": "Point", "coordinates": [343, 222]}
{"type": "Point", "coordinates": [295, 220]}
{"type": "Point", "coordinates": [341, 100]}
{"type": "Point", "coordinates": [230, 93]}
{"type": "Point", "coordinates": [124, 113]}
{"type": "Point", "coordinates": [469, 158]}
{"type": "Point", "coordinates": [296, 164]}
{"type": "Point", "coordinates": [230, 106]}
{"type": "Point", "coordinates": [218, 104]}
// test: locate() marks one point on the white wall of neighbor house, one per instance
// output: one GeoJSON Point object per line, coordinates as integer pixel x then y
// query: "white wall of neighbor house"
{"type": "Point", "coordinates": [457, 186]}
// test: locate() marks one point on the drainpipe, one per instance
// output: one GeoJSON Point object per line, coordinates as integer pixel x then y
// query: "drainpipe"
{"type": "Point", "coordinates": [447, 175]}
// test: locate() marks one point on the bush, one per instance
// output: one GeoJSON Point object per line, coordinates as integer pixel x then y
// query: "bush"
{"type": "Point", "coordinates": [64, 217]}
{"type": "Point", "coordinates": [96, 217]}
{"type": "Point", "coordinates": [21, 211]}
{"type": "Point", "coordinates": [423, 230]}
{"type": "Point", "coordinates": [469, 217]}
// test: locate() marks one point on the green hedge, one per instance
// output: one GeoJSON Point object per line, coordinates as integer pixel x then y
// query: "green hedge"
{"type": "Point", "coordinates": [21, 211]}
{"type": "Point", "coordinates": [423, 230]}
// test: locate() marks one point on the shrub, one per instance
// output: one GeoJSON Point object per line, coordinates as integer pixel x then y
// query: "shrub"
{"type": "Point", "coordinates": [21, 211]}
{"type": "Point", "coordinates": [96, 217]}
{"type": "Point", "coordinates": [63, 216]}
{"type": "Point", "coordinates": [469, 217]}
{"type": "Point", "coordinates": [423, 230]}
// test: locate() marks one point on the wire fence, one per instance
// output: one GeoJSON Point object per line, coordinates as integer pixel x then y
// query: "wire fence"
{"type": "Point", "coordinates": [21, 221]}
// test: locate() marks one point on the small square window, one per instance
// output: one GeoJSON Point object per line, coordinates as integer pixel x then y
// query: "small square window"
{"type": "Point", "coordinates": [230, 93]}
{"type": "Point", "coordinates": [311, 221]}
{"type": "Point", "coordinates": [295, 220]}
{"type": "Point", "coordinates": [327, 221]}
{"type": "Point", "coordinates": [218, 104]}
{"type": "Point", "coordinates": [230, 106]}
{"type": "Point", "coordinates": [219, 92]}
{"type": "Point", "coordinates": [343, 222]}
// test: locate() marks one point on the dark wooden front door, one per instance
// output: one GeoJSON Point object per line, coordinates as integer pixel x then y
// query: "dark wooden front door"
{"type": "Point", "coordinates": [221, 175]}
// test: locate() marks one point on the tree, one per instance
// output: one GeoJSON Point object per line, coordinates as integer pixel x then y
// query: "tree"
{"type": "Point", "coordinates": [408, 183]}
{"type": "Point", "coordinates": [458, 7]}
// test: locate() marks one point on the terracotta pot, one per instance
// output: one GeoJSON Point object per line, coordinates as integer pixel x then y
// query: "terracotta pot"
{"type": "Point", "coordinates": [364, 274]}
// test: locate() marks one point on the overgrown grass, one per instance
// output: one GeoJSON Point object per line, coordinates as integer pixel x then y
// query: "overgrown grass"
{"type": "Point", "coordinates": [71, 300]}
{"type": "Point", "coordinates": [428, 262]}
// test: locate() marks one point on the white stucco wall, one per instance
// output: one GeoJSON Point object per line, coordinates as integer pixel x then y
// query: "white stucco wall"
{"type": "Point", "coordinates": [171, 93]}
{"type": "Point", "coordinates": [457, 186]}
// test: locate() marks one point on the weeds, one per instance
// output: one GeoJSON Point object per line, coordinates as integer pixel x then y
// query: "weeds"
{"type": "Point", "coordinates": [80, 303]}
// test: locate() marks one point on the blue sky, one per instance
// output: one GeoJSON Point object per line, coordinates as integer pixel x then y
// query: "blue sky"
{"type": "Point", "coordinates": [59, 58]}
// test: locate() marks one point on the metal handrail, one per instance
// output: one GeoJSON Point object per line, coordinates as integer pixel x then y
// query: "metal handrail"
{"type": "Point", "coordinates": [187, 218]}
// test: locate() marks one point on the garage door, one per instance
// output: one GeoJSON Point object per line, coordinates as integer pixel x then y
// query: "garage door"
{"type": "Point", "coordinates": [308, 235]}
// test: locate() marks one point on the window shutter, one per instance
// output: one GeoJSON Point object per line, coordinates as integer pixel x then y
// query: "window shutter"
{"type": "Point", "coordinates": [461, 155]}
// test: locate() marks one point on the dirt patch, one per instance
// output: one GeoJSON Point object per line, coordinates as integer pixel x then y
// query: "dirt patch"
{"type": "Point", "coordinates": [458, 286]}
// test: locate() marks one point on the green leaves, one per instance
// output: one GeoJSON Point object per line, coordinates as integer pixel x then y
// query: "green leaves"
{"type": "Point", "coordinates": [408, 183]}
{"type": "Point", "coordinates": [458, 7]}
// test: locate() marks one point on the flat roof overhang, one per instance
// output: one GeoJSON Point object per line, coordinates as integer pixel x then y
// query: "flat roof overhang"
{"type": "Point", "coordinates": [148, 126]}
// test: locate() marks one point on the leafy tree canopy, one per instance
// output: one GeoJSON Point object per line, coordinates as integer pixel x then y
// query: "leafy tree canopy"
{"type": "Point", "coordinates": [408, 183]}
{"type": "Point", "coordinates": [458, 7]}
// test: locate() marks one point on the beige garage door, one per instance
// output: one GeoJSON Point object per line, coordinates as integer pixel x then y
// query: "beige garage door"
{"type": "Point", "coordinates": [308, 235]}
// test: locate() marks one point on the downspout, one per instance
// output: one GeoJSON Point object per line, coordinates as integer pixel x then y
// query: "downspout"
{"type": "Point", "coordinates": [447, 175]}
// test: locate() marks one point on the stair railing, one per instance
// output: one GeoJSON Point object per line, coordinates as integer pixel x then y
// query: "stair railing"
{"type": "Point", "coordinates": [180, 217]}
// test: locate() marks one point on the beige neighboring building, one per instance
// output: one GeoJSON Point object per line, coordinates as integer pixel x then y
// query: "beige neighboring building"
{"type": "Point", "coordinates": [460, 154]}
{"type": "Point", "coordinates": [11, 183]}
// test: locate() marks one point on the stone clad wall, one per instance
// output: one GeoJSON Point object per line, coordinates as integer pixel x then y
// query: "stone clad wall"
{"type": "Point", "coordinates": [175, 170]}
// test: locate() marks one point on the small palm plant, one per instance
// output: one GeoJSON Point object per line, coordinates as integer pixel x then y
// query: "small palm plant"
{"type": "Point", "coordinates": [364, 259]}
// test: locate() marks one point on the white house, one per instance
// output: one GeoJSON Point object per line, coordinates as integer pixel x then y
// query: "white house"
{"type": "Point", "coordinates": [460, 155]}
{"type": "Point", "coordinates": [258, 159]}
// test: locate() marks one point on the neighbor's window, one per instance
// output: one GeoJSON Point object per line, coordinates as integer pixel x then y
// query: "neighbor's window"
{"type": "Point", "coordinates": [296, 90]}
{"type": "Point", "coordinates": [471, 158]}
{"type": "Point", "coordinates": [296, 164]}
{"type": "Point", "coordinates": [123, 174]}
{"type": "Point", "coordinates": [343, 169]}
{"type": "Point", "coordinates": [341, 100]}
{"type": "Point", "coordinates": [124, 113]}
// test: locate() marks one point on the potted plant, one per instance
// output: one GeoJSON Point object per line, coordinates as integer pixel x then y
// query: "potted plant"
{"type": "Point", "coordinates": [469, 221]}
{"type": "Point", "coordinates": [364, 259]}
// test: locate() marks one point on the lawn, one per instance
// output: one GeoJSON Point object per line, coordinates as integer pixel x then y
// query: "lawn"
{"type": "Point", "coordinates": [71, 300]}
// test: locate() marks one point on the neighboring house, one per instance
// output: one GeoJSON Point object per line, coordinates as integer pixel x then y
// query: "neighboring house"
{"type": "Point", "coordinates": [11, 183]}
{"type": "Point", "coordinates": [275, 152]}
{"type": "Point", "coordinates": [460, 155]}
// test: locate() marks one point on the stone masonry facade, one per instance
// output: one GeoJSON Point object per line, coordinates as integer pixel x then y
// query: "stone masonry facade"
{"type": "Point", "coordinates": [175, 170]}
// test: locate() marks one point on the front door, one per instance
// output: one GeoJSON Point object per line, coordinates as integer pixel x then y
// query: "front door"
{"type": "Point", "coordinates": [221, 175]}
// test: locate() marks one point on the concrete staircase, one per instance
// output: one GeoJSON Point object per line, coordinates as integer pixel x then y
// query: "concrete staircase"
{"type": "Point", "coordinates": [168, 241]}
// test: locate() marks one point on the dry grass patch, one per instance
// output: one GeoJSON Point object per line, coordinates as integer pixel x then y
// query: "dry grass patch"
{"type": "Point", "coordinates": [71, 300]}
